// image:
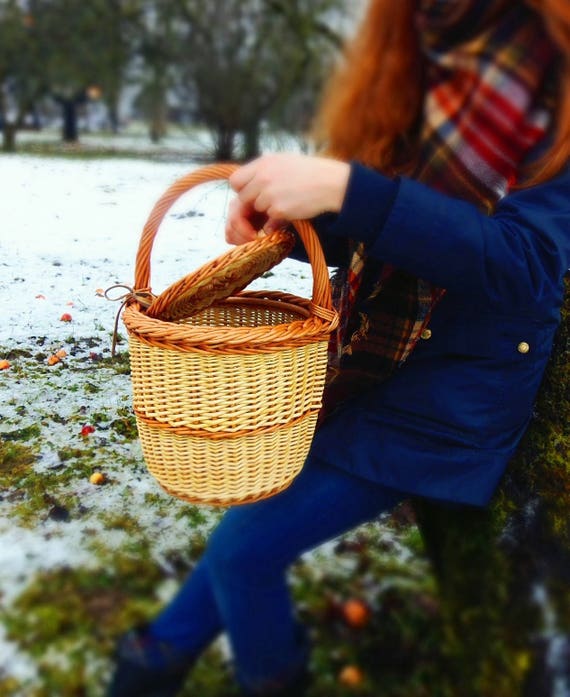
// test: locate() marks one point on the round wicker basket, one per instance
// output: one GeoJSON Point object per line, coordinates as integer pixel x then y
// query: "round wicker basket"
{"type": "Point", "coordinates": [227, 390]}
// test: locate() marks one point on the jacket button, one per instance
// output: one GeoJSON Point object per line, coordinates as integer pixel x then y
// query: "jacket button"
{"type": "Point", "coordinates": [523, 347]}
{"type": "Point", "coordinates": [426, 334]}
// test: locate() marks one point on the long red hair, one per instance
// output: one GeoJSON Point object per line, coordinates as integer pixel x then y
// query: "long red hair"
{"type": "Point", "coordinates": [372, 106]}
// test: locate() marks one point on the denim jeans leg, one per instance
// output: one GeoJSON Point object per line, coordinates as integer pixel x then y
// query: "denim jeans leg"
{"type": "Point", "coordinates": [191, 621]}
{"type": "Point", "coordinates": [249, 553]}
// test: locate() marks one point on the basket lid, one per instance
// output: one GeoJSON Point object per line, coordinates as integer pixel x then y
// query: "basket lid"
{"type": "Point", "coordinates": [224, 276]}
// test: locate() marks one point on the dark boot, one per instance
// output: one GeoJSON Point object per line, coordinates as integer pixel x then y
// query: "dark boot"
{"type": "Point", "coordinates": [298, 688]}
{"type": "Point", "coordinates": [147, 667]}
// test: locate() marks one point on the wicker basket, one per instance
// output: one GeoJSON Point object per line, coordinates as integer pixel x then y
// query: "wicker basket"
{"type": "Point", "coordinates": [226, 397]}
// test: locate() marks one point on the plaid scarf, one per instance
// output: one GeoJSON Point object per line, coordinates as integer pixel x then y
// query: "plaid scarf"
{"type": "Point", "coordinates": [487, 105]}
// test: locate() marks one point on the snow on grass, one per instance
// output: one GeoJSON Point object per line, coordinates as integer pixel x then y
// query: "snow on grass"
{"type": "Point", "coordinates": [70, 228]}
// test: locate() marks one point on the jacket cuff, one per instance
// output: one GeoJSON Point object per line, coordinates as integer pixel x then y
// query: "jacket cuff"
{"type": "Point", "coordinates": [367, 204]}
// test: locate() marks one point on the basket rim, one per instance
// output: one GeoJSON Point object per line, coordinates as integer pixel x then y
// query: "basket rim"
{"type": "Point", "coordinates": [265, 338]}
{"type": "Point", "coordinates": [321, 284]}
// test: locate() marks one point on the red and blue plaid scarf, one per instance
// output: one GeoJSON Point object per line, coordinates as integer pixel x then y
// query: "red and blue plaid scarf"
{"type": "Point", "coordinates": [488, 96]}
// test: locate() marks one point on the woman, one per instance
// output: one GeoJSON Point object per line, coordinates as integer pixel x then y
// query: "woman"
{"type": "Point", "coordinates": [445, 202]}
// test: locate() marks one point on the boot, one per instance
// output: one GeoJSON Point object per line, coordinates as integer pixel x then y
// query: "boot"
{"type": "Point", "coordinates": [147, 667]}
{"type": "Point", "coordinates": [298, 688]}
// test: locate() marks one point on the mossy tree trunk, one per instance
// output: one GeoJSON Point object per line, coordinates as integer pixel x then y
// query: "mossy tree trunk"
{"type": "Point", "coordinates": [504, 573]}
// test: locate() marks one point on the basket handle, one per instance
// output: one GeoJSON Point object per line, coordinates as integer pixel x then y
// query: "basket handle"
{"type": "Point", "coordinates": [321, 301]}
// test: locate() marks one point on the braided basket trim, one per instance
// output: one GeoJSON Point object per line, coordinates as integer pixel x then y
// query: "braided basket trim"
{"type": "Point", "coordinates": [224, 276]}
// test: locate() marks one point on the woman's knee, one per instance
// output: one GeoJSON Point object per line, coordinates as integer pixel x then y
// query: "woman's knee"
{"type": "Point", "coordinates": [235, 551]}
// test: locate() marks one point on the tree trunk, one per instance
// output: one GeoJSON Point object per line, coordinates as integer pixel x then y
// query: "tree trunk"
{"type": "Point", "coordinates": [251, 141]}
{"type": "Point", "coordinates": [69, 129]}
{"type": "Point", "coordinates": [504, 573]}
{"type": "Point", "coordinates": [9, 137]}
{"type": "Point", "coordinates": [113, 112]}
{"type": "Point", "coordinates": [157, 129]}
{"type": "Point", "coordinates": [224, 145]}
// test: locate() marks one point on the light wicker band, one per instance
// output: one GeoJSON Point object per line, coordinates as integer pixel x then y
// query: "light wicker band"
{"type": "Point", "coordinates": [226, 398]}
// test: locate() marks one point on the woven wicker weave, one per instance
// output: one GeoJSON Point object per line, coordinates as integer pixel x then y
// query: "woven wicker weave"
{"type": "Point", "coordinates": [226, 275]}
{"type": "Point", "coordinates": [226, 398]}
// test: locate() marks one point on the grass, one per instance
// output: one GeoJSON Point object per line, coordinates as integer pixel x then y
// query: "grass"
{"type": "Point", "coordinates": [183, 146]}
{"type": "Point", "coordinates": [65, 618]}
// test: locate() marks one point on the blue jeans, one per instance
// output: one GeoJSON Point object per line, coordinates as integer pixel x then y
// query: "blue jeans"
{"type": "Point", "coordinates": [239, 586]}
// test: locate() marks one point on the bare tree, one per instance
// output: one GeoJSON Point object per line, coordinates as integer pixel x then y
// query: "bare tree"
{"type": "Point", "coordinates": [242, 61]}
{"type": "Point", "coordinates": [21, 81]}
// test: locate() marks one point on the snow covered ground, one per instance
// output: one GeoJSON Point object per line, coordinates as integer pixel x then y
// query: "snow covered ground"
{"type": "Point", "coordinates": [69, 229]}
{"type": "Point", "coordinates": [72, 227]}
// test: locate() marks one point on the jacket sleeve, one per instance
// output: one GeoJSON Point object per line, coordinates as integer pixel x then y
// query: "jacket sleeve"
{"type": "Point", "coordinates": [335, 247]}
{"type": "Point", "coordinates": [515, 258]}
{"type": "Point", "coordinates": [368, 205]}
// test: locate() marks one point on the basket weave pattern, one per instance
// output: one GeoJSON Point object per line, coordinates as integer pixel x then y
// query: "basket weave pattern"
{"type": "Point", "coordinates": [226, 399]}
{"type": "Point", "coordinates": [224, 276]}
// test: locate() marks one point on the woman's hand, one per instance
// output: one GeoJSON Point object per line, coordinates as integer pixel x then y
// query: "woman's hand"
{"type": "Point", "coordinates": [283, 187]}
{"type": "Point", "coordinates": [244, 223]}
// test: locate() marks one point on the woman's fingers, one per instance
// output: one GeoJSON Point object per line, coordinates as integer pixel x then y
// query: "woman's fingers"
{"type": "Point", "coordinates": [243, 223]}
{"type": "Point", "coordinates": [273, 224]}
{"type": "Point", "coordinates": [291, 186]}
{"type": "Point", "coordinates": [242, 176]}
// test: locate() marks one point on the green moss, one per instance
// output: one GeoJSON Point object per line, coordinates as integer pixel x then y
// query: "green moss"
{"type": "Point", "coordinates": [120, 521]}
{"type": "Point", "coordinates": [68, 619]}
{"type": "Point", "coordinates": [125, 426]}
{"type": "Point", "coordinates": [15, 353]}
{"type": "Point", "coordinates": [16, 462]}
{"type": "Point", "coordinates": [489, 562]}
{"type": "Point", "coordinates": [38, 504]}
{"type": "Point", "coordinates": [91, 388]}
{"type": "Point", "coordinates": [38, 492]}
{"type": "Point", "coordinates": [194, 515]}
{"type": "Point", "coordinates": [100, 417]}
{"type": "Point", "coordinates": [71, 453]}
{"type": "Point", "coordinates": [414, 541]}
{"type": "Point", "coordinates": [398, 648]}
{"type": "Point", "coordinates": [211, 677]}
{"type": "Point", "coordinates": [121, 364]}
{"type": "Point", "coordinates": [154, 499]}
{"type": "Point", "coordinates": [81, 151]}
{"type": "Point", "coordinates": [10, 686]}
{"type": "Point", "coordinates": [26, 433]}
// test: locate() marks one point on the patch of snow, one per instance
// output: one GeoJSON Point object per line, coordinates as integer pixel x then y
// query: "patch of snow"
{"type": "Point", "coordinates": [71, 228]}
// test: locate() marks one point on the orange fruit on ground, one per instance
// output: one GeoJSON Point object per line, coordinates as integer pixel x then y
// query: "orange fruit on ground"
{"type": "Point", "coordinates": [356, 612]}
{"type": "Point", "coordinates": [97, 478]}
{"type": "Point", "coordinates": [66, 317]}
{"type": "Point", "coordinates": [4, 364]}
{"type": "Point", "coordinates": [351, 676]}
{"type": "Point", "coordinates": [52, 360]}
